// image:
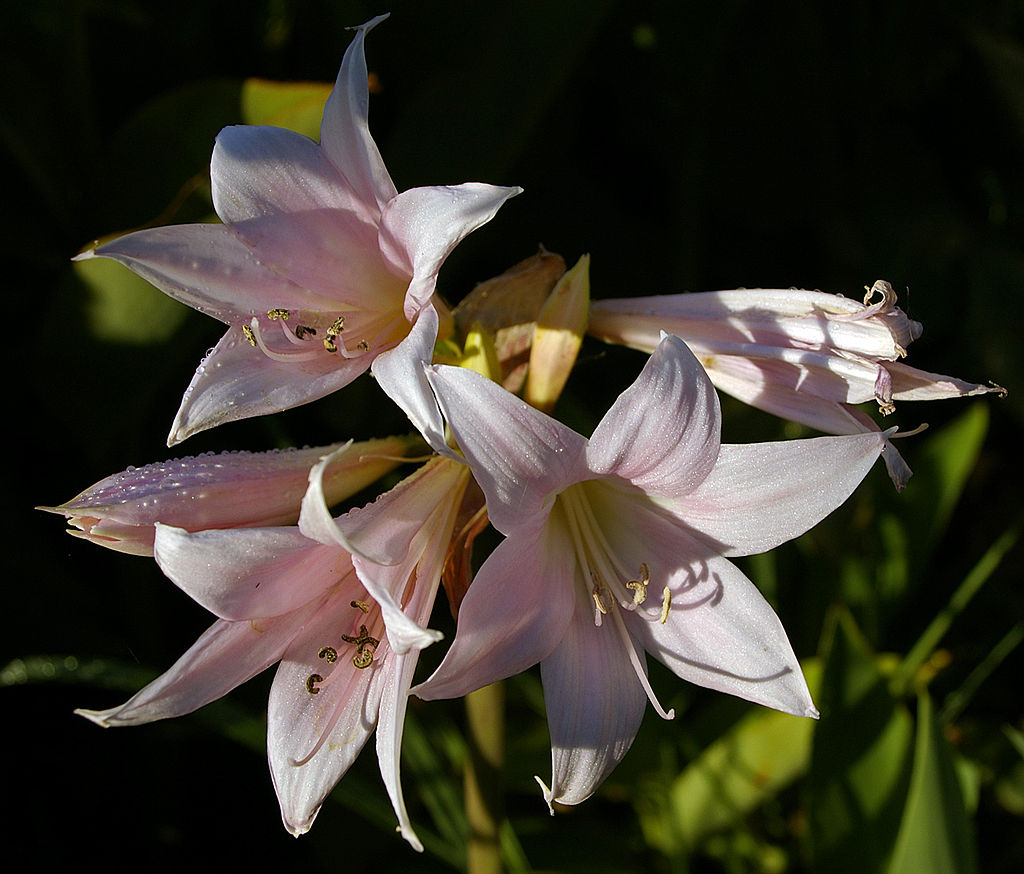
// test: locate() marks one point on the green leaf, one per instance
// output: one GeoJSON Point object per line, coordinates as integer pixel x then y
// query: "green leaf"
{"type": "Point", "coordinates": [861, 756]}
{"type": "Point", "coordinates": [124, 308]}
{"type": "Point", "coordinates": [935, 834]}
{"type": "Point", "coordinates": [298, 106]}
{"type": "Point", "coordinates": [763, 753]}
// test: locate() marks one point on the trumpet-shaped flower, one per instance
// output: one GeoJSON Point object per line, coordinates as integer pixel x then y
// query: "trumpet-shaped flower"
{"type": "Point", "coordinates": [347, 633]}
{"type": "Point", "coordinates": [619, 544]}
{"type": "Point", "coordinates": [222, 490]}
{"type": "Point", "coordinates": [320, 268]}
{"type": "Point", "coordinates": [805, 356]}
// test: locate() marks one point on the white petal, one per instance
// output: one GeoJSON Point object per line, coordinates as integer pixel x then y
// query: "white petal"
{"type": "Point", "coordinates": [225, 656]}
{"type": "Point", "coordinates": [662, 433]}
{"type": "Point", "coordinates": [594, 705]}
{"type": "Point", "coordinates": [513, 616]}
{"type": "Point", "coordinates": [520, 457]}
{"type": "Point", "coordinates": [762, 494]}
{"type": "Point", "coordinates": [345, 132]}
{"type": "Point", "coordinates": [420, 227]}
{"type": "Point", "coordinates": [249, 573]}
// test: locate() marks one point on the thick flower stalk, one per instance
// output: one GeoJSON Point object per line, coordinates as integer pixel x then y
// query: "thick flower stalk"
{"type": "Point", "coordinates": [221, 490]}
{"type": "Point", "coordinates": [806, 356]}
{"type": "Point", "coordinates": [346, 631]}
{"type": "Point", "coordinates": [321, 269]}
{"type": "Point", "coordinates": [619, 545]}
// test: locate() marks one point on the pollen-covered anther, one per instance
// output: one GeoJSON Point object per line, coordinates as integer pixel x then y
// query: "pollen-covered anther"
{"type": "Point", "coordinates": [302, 330]}
{"type": "Point", "coordinates": [278, 313]}
{"type": "Point", "coordinates": [366, 646]}
{"type": "Point", "coordinates": [886, 408]}
{"type": "Point", "coordinates": [329, 653]}
{"type": "Point", "coordinates": [666, 602]}
{"type": "Point", "coordinates": [639, 587]}
{"type": "Point", "coordinates": [249, 335]}
{"type": "Point", "coordinates": [311, 682]}
{"type": "Point", "coordinates": [363, 346]}
{"type": "Point", "coordinates": [361, 605]}
{"type": "Point", "coordinates": [336, 327]}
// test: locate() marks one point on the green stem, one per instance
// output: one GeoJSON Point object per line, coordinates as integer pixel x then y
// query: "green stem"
{"type": "Point", "coordinates": [929, 640]}
{"type": "Point", "coordinates": [485, 729]}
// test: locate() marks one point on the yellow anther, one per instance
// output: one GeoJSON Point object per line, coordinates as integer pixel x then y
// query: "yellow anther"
{"type": "Point", "coordinates": [311, 682]}
{"type": "Point", "coordinates": [597, 600]}
{"type": "Point", "coordinates": [278, 313]}
{"type": "Point", "coordinates": [329, 653]}
{"type": "Point", "coordinates": [366, 646]}
{"type": "Point", "coordinates": [363, 346]}
{"type": "Point", "coordinates": [361, 606]}
{"type": "Point", "coordinates": [330, 345]}
{"type": "Point", "coordinates": [639, 587]}
{"type": "Point", "coordinates": [249, 335]}
{"type": "Point", "coordinates": [302, 330]}
{"type": "Point", "coordinates": [666, 601]}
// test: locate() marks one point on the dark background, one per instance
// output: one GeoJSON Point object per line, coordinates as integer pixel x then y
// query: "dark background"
{"type": "Point", "coordinates": [685, 146]}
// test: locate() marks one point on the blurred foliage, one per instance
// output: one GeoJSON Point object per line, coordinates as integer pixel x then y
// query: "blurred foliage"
{"type": "Point", "coordinates": [685, 146]}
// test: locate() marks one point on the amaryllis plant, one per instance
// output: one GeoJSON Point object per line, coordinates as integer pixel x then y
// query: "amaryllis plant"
{"type": "Point", "coordinates": [608, 546]}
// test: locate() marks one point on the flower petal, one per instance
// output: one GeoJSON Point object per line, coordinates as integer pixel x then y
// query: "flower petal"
{"type": "Point", "coordinates": [313, 738]}
{"type": "Point", "coordinates": [662, 433]}
{"type": "Point", "coordinates": [720, 632]}
{"type": "Point", "coordinates": [249, 573]}
{"type": "Point", "coordinates": [270, 171]}
{"type": "Point", "coordinates": [520, 457]}
{"type": "Point", "coordinates": [594, 705]}
{"type": "Point", "coordinates": [762, 494]}
{"type": "Point", "coordinates": [400, 373]}
{"type": "Point", "coordinates": [235, 381]}
{"type": "Point", "coordinates": [420, 227]}
{"type": "Point", "coordinates": [207, 267]}
{"type": "Point", "coordinates": [513, 616]}
{"type": "Point", "coordinates": [225, 656]}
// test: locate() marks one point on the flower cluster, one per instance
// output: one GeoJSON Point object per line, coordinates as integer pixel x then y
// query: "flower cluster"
{"type": "Point", "coordinates": [615, 545]}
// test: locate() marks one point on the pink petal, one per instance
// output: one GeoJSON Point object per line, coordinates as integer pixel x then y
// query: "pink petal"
{"type": "Point", "coordinates": [269, 171]}
{"type": "Point", "coordinates": [345, 133]}
{"type": "Point", "coordinates": [514, 614]}
{"type": "Point", "coordinates": [520, 457]}
{"type": "Point", "coordinates": [236, 381]}
{"type": "Point", "coordinates": [720, 632]}
{"type": "Point", "coordinates": [662, 433]}
{"type": "Point", "coordinates": [225, 656]}
{"type": "Point", "coordinates": [207, 267]}
{"type": "Point", "coordinates": [420, 227]}
{"type": "Point", "coordinates": [249, 573]}
{"type": "Point", "coordinates": [400, 373]}
{"type": "Point", "coordinates": [594, 705]}
{"type": "Point", "coordinates": [762, 494]}
{"type": "Point", "coordinates": [335, 722]}
{"type": "Point", "coordinates": [911, 384]}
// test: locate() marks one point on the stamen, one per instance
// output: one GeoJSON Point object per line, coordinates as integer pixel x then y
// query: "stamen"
{"type": "Point", "coordinates": [255, 336]}
{"type": "Point", "coordinates": [638, 667]}
{"type": "Point", "coordinates": [639, 587]}
{"type": "Point", "coordinates": [337, 326]}
{"type": "Point", "coordinates": [311, 682]}
{"type": "Point", "coordinates": [302, 330]}
{"type": "Point", "coordinates": [666, 601]}
{"type": "Point", "coordinates": [329, 653]}
{"type": "Point", "coordinates": [249, 335]}
{"type": "Point", "coordinates": [278, 313]}
{"type": "Point", "coordinates": [599, 606]}
{"type": "Point", "coordinates": [361, 606]}
{"type": "Point", "coordinates": [366, 646]}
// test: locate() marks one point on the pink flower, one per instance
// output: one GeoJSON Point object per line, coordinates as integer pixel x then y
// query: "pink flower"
{"type": "Point", "coordinates": [222, 490]}
{"type": "Point", "coordinates": [620, 544]}
{"type": "Point", "coordinates": [805, 356]}
{"type": "Point", "coordinates": [320, 269]}
{"type": "Point", "coordinates": [347, 633]}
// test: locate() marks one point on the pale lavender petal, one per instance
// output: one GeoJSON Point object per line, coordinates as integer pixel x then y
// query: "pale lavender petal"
{"type": "Point", "coordinates": [249, 573]}
{"type": "Point", "coordinates": [270, 171]}
{"type": "Point", "coordinates": [911, 384]}
{"type": "Point", "coordinates": [594, 705]}
{"type": "Point", "coordinates": [662, 433]}
{"type": "Point", "coordinates": [313, 737]}
{"type": "Point", "coordinates": [225, 656]}
{"type": "Point", "coordinates": [520, 457]}
{"type": "Point", "coordinates": [332, 256]}
{"type": "Point", "coordinates": [720, 632]}
{"type": "Point", "coordinates": [400, 373]}
{"type": "Point", "coordinates": [762, 494]}
{"type": "Point", "coordinates": [420, 227]}
{"type": "Point", "coordinates": [514, 614]}
{"type": "Point", "coordinates": [345, 133]}
{"type": "Point", "coordinates": [236, 381]}
{"type": "Point", "coordinates": [389, 739]}
{"type": "Point", "coordinates": [208, 267]}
